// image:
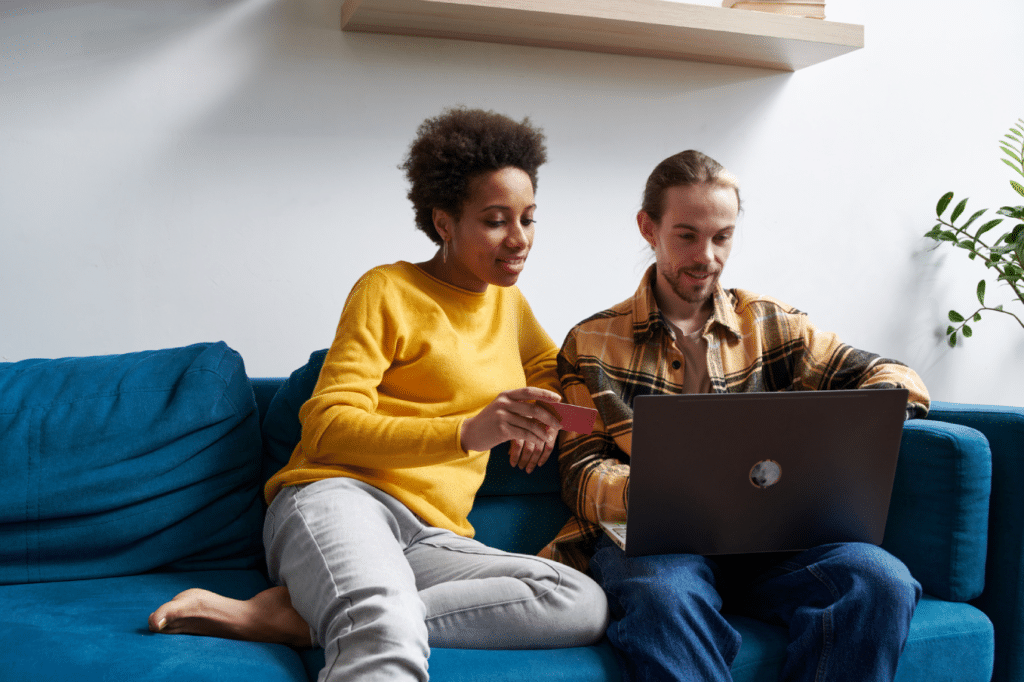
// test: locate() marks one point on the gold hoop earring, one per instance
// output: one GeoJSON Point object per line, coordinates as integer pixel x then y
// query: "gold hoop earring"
{"type": "Point", "coordinates": [444, 253]}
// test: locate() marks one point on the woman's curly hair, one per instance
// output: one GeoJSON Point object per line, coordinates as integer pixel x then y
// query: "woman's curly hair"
{"type": "Point", "coordinates": [452, 148]}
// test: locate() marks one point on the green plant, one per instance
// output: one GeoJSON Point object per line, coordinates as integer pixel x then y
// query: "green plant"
{"type": "Point", "coordinates": [1005, 255]}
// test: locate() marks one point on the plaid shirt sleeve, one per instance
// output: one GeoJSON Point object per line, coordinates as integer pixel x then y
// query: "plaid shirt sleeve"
{"type": "Point", "coordinates": [594, 367]}
{"type": "Point", "coordinates": [776, 348]}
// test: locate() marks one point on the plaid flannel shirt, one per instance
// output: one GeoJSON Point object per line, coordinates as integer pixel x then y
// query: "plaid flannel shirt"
{"type": "Point", "coordinates": [755, 343]}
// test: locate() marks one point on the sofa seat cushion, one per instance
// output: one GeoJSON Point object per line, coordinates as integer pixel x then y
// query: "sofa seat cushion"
{"type": "Point", "coordinates": [121, 464]}
{"type": "Point", "coordinates": [89, 630]}
{"type": "Point", "coordinates": [576, 664]}
{"type": "Point", "coordinates": [948, 642]}
{"type": "Point", "coordinates": [954, 638]}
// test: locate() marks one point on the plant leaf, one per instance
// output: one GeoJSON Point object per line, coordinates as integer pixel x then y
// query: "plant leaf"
{"type": "Point", "coordinates": [1012, 165]}
{"type": "Point", "coordinates": [943, 203]}
{"type": "Point", "coordinates": [977, 317]}
{"type": "Point", "coordinates": [1017, 186]}
{"type": "Point", "coordinates": [958, 210]}
{"type": "Point", "coordinates": [987, 226]}
{"type": "Point", "coordinates": [1011, 153]}
{"type": "Point", "coordinates": [968, 332]}
{"type": "Point", "coordinates": [981, 292]}
{"type": "Point", "coordinates": [974, 217]}
{"type": "Point", "coordinates": [954, 316]}
{"type": "Point", "coordinates": [952, 340]}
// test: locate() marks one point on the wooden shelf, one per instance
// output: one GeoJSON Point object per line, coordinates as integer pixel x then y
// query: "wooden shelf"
{"type": "Point", "coordinates": [650, 28]}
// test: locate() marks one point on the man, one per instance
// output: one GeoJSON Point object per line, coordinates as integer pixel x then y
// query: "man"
{"type": "Point", "coordinates": [847, 606]}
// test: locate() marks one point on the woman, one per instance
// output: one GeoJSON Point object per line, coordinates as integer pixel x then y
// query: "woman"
{"type": "Point", "coordinates": [433, 364]}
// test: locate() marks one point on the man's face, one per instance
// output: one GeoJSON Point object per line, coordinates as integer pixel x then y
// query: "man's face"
{"type": "Point", "coordinates": [693, 239]}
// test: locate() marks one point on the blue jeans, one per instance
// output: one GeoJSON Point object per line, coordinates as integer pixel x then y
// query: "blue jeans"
{"type": "Point", "coordinates": [847, 608]}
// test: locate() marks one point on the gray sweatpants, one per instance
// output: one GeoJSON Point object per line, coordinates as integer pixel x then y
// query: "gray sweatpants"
{"type": "Point", "coordinates": [378, 587]}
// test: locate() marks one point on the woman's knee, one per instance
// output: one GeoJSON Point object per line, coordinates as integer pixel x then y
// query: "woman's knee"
{"type": "Point", "coordinates": [585, 613]}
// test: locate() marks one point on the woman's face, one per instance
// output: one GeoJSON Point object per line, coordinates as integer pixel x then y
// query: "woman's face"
{"type": "Point", "coordinates": [489, 242]}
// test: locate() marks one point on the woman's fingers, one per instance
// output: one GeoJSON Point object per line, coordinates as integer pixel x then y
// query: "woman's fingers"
{"type": "Point", "coordinates": [529, 450]}
{"type": "Point", "coordinates": [515, 451]}
{"type": "Point", "coordinates": [533, 393]}
{"type": "Point", "coordinates": [535, 412]}
{"type": "Point", "coordinates": [533, 456]}
{"type": "Point", "coordinates": [514, 416]}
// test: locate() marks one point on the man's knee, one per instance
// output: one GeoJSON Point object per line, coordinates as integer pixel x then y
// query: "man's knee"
{"type": "Point", "coordinates": [888, 581]}
{"type": "Point", "coordinates": [665, 586]}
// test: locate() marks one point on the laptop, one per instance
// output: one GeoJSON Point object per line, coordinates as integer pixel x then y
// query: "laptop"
{"type": "Point", "coordinates": [739, 473]}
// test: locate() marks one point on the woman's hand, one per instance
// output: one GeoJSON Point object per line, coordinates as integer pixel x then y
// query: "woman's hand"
{"type": "Point", "coordinates": [512, 417]}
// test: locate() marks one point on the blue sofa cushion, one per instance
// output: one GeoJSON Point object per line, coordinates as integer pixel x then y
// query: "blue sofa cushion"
{"type": "Point", "coordinates": [96, 630]}
{"type": "Point", "coordinates": [1003, 599]}
{"type": "Point", "coordinates": [952, 640]}
{"type": "Point", "coordinates": [596, 663]}
{"type": "Point", "coordinates": [117, 465]}
{"type": "Point", "coordinates": [938, 517]}
{"type": "Point", "coordinates": [282, 429]}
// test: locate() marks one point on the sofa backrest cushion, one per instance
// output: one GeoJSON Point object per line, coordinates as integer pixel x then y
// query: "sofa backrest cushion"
{"type": "Point", "coordinates": [513, 511]}
{"type": "Point", "coordinates": [121, 464]}
{"type": "Point", "coordinates": [282, 429]}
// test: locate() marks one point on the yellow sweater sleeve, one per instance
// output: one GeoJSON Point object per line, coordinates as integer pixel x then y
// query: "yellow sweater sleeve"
{"type": "Point", "coordinates": [342, 423]}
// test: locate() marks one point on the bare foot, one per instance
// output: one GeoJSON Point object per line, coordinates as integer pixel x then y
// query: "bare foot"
{"type": "Point", "coordinates": [267, 617]}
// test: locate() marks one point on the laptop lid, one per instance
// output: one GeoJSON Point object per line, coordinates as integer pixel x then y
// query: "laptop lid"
{"type": "Point", "coordinates": [761, 472]}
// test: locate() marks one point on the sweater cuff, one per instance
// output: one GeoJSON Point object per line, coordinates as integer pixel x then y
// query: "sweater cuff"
{"type": "Point", "coordinates": [458, 436]}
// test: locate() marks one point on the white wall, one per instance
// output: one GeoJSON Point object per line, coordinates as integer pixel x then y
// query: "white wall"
{"type": "Point", "coordinates": [182, 170]}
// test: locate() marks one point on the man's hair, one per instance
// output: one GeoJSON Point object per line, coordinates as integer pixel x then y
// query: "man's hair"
{"type": "Point", "coordinates": [684, 169]}
{"type": "Point", "coordinates": [458, 145]}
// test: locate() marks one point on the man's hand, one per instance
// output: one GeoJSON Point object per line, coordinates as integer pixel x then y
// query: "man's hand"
{"type": "Point", "coordinates": [513, 417]}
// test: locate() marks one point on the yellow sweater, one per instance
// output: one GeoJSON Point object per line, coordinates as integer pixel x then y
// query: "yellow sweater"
{"type": "Point", "coordinates": [412, 359]}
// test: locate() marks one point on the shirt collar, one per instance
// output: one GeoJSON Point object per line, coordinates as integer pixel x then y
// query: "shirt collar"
{"type": "Point", "coordinates": [647, 318]}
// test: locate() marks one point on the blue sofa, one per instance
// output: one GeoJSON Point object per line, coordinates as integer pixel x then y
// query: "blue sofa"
{"type": "Point", "coordinates": [130, 478]}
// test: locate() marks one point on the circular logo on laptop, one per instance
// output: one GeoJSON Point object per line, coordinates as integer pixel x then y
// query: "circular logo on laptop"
{"type": "Point", "coordinates": [765, 473]}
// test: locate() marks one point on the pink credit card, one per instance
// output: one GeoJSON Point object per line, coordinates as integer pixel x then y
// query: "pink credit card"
{"type": "Point", "coordinates": [574, 418]}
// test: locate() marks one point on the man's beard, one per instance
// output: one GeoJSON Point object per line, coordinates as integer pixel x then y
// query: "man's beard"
{"type": "Point", "coordinates": [689, 293]}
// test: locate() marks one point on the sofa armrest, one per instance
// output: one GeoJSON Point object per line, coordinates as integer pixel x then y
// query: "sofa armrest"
{"type": "Point", "coordinates": [1003, 598]}
{"type": "Point", "coordinates": [938, 516]}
